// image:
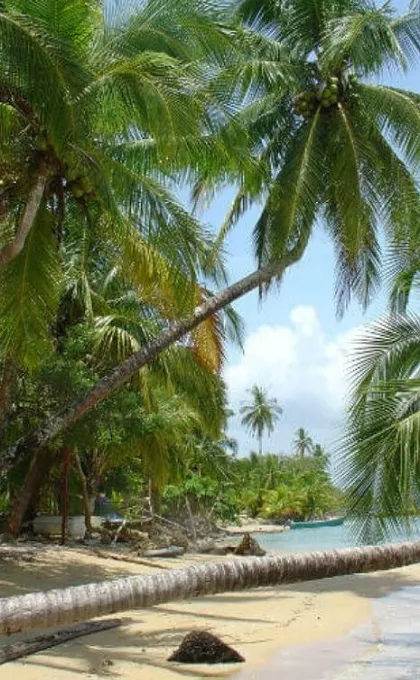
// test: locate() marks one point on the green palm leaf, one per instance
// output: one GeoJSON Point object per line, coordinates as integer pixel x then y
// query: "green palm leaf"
{"type": "Point", "coordinates": [292, 205]}
{"type": "Point", "coordinates": [29, 292]}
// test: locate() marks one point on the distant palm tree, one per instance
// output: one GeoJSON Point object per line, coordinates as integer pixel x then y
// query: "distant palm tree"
{"type": "Point", "coordinates": [261, 414]}
{"type": "Point", "coordinates": [302, 442]}
{"type": "Point", "coordinates": [319, 451]}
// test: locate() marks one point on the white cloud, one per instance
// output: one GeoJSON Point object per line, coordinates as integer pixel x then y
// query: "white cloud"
{"type": "Point", "coordinates": [302, 368]}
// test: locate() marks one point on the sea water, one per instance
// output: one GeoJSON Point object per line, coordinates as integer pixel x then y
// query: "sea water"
{"type": "Point", "coordinates": [323, 538]}
{"type": "Point", "coordinates": [385, 648]}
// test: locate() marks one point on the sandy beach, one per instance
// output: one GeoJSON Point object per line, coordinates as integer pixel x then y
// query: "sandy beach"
{"type": "Point", "coordinates": [256, 623]}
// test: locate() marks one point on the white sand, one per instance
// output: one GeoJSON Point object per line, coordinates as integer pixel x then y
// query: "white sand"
{"type": "Point", "coordinates": [256, 623]}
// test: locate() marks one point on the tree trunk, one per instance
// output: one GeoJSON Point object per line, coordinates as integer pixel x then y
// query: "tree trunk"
{"type": "Point", "coordinates": [86, 500]}
{"type": "Point", "coordinates": [122, 373]}
{"type": "Point", "coordinates": [36, 193]}
{"type": "Point", "coordinates": [7, 386]}
{"type": "Point", "coordinates": [66, 451]}
{"type": "Point", "coordinates": [38, 468]}
{"type": "Point", "coordinates": [191, 518]}
{"type": "Point", "coordinates": [79, 603]}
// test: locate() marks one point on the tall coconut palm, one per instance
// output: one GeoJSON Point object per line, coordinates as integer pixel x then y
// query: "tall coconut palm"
{"type": "Point", "coordinates": [331, 143]}
{"type": "Point", "coordinates": [102, 319]}
{"type": "Point", "coordinates": [90, 110]}
{"type": "Point", "coordinates": [335, 141]}
{"type": "Point", "coordinates": [381, 447]}
{"type": "Point", "coordinates": [261, 414]}
{"type": "Point", "coordinates": [302, 443]}
{"type": "Point", "coordinates": [78, 603]}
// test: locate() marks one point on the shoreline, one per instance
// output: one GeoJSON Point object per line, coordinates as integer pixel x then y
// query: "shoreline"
{"type": "Point", "coordinates": [258, 623]}
{"type": "Point", "coordinates": [255, 527]}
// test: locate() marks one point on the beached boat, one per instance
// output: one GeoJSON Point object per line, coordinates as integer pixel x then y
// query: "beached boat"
{"type": "Point", "coordinates": [316, 524]}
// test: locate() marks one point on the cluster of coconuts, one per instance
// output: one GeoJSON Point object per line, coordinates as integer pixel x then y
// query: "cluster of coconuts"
{"type": "Point", "coordinates": [325, 95]}
{"type": "Point", "coordinates": [305, 103]}
{"type": "Point", "coordinates": [328, 96]}
{"type": "Point", "coordinates": [81, 186]}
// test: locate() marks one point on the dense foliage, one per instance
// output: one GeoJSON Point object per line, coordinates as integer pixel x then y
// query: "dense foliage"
{"type": "Point", "coordinates": [104, 116]}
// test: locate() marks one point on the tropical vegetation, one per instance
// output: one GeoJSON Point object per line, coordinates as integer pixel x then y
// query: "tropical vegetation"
{"type": "Point", "coordinates": [348, 158]}
{"type": "Point", "coordinates": [112, 338]}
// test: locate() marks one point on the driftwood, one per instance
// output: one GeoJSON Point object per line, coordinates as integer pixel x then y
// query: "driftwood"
{"type": "Point", "coordinates": [12, 554]}
{"type": "Point", "coordinates": [118, 532]}
{"type": "Point", "coordinates": [17, 650]}
{"type": "Point", "coordinates": [123, 558]}
{"type": "Point", "coordinates": [171, 551]}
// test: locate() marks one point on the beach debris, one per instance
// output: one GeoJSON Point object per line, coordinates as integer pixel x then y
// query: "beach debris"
{"type": "Point", "coordinates": [249, 546]}
{"type": "Point", "coordinates": [170, 551]}
{"type": "Point", "coordinates": [204, 545]}
{"type": "Point", "coordinates": [200, 646]}
{"type": "Point", "coordinates": [16, 554]}
{"type": "Point", "coordinates": [127, 558]}
{"type": "Point", "coordinates": [17, 650]}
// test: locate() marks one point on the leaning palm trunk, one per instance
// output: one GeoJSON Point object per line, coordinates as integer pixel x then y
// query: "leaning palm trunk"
{"type": "Point", "coordinates": [36, 193]}
{"type": "Point", "coordinates": [122, 373]}
{"type": "Point", "coordinates": [7, 388]}
{"type": "Point", "coordinates": [38, 469]}
{"type": "Point", "coordinates": [78, 603]}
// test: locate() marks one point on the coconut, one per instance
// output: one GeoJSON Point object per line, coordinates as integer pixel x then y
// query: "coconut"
{"type": "Point", "coordinates": [203, 647]}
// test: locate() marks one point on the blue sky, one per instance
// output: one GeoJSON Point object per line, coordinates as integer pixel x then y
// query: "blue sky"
{"type": "Point", "coordinates": [295, 346]}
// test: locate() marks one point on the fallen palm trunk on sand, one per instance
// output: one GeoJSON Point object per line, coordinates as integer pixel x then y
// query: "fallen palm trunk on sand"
{"type": "Point", "coordinates": [79, 603]}
{"type": "Point", "coordinates": [18, 650]}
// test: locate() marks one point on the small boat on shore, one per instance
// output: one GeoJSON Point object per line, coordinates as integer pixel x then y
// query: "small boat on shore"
{"type": "Point", "coordinates": [317, 524]}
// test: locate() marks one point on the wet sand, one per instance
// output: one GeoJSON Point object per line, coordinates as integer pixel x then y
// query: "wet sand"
{"type": "Point", "coordinates": [262, 625]}
{"type": "Point", "coordinates": [386, 647]}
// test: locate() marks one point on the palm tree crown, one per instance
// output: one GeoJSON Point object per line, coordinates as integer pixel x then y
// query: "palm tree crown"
{"type": "Point", "coordinates": [302, 443]}
{"type": "Point", "coordinates": [261, 414]}
{"type": "Point", "coordinates": [336, 146]}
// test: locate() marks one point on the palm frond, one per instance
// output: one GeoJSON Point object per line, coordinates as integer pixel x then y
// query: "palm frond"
{"type": "Point", "coordinates": [381, 447]}
{"type": "Point", "coordinates": [293, 201]}
{"type": "Point", "coordinates": [29, 292]}
{"type": "Point", "coordinates": [398, 115]}
{"type": "Point", "coordinates": [41, 66]}
{"type": "Point", "coordinates": [364, 40]}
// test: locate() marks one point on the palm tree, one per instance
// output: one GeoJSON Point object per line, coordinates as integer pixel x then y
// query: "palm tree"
{"type": "Point", "coordinates": [302, 443]}
{"type": "Point", "coordinates": [78, 603]}
{"type": "Point", "coordinates": [381, 447]}
{"type": "Point", "coordinates": [318, 451]}
{"type": "Point", "coordinates": [261, 414]}
{"type": "Point", "coordinates": [331, 144]}
{"type": "Point", "coordinates": [74, 90]}
{"type": "Point", "coordinates": [114, 320]}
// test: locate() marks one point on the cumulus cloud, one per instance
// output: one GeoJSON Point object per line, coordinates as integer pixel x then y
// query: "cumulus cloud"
{"type": "Point", "coordinates": [305, 370]}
